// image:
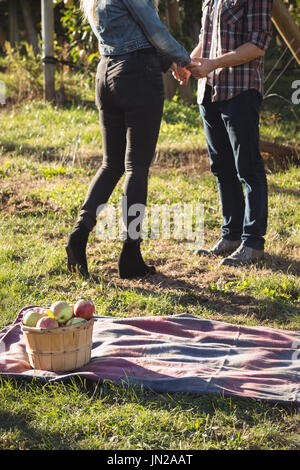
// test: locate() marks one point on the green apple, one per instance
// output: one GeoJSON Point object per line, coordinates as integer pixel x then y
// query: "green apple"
{"type": "Point", "coordinates": [75, 320]}
{"type": "Point", "coordinates": [61, 311]}
{"type": "Point", "coordinates": [33, 315]}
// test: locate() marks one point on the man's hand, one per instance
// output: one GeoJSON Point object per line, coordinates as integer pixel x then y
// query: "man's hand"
{"type": "Point", "coordinates": [202, 68]}
{"type": "Point", "coordinates": [242, 55]}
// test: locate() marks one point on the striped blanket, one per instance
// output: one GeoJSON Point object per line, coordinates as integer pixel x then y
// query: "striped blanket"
{"type": "Point", "coordinates": [180, 353]}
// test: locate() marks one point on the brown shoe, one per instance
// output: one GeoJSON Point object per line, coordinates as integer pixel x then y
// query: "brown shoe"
{"type": "Point", "coordinates": [222, 247]}
{"type": "Point", "coordinates": [243, 255]}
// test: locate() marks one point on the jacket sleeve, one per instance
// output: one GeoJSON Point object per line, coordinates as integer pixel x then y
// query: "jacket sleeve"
{"type": "Point", "coordinates": [145, 14]}
{"type": "Point", "coordinates": [259, 22]}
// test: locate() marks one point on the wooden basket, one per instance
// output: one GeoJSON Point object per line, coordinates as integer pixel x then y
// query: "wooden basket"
{"type": "Point", "coordinates": [59, 349]}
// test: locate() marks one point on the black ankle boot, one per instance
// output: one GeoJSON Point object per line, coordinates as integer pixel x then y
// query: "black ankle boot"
{"type": "Point", "coordinates": [76, 250]}
{"type": "Point", "coordinates": [131, 263]}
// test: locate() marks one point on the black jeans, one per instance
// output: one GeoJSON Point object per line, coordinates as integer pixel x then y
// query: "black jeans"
{"type": "Point", "coordinates": [130, 97]}
{"type": "Point", "coordinates": [232, 135]}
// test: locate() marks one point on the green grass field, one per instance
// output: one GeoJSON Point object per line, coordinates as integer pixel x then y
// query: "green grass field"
{"type": "Point", "coordinates": [47, 158]}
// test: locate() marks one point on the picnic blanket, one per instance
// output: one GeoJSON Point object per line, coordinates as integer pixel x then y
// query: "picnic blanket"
{"type": "Point", "coordinates": [180, 353]}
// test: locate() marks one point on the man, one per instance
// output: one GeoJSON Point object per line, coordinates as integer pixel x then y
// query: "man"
{"type": "Point", "coordinates": [232, 43]}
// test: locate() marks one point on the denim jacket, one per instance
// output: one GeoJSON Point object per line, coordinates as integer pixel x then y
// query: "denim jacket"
{"type": "Point", "coordinates": [124, 26]}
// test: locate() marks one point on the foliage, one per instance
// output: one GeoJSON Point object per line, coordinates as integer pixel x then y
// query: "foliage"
{"type": "Point", "coordinates": [190, 16]}
{"type": "Point", "coordinates": [77, 33]}
{"type": "Point", "coordinates": [294, 8]}
{"type": "Point", "coordinates": [26, 71]}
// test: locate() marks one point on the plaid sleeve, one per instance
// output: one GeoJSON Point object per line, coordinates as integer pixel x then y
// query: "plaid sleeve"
{"type": "Point", "coordinates": [259, 22]}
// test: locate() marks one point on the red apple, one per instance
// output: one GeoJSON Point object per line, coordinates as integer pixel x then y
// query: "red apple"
{"type": "Point", "coordinates": [84, 309]}
{"type": "Point", "coordinates": [47, 323]}
{"type": "Point", "coordinates": [61, 311]}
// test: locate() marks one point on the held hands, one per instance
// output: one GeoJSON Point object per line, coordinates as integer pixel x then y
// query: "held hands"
{"type": "Point", "coordinates": [181, 74]}
{"type": "Point", "coordinates": [198, 68]}
{"type": "Point", "coordinates": [201, 67]}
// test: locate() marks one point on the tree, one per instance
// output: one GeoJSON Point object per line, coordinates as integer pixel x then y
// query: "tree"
{"type": "Point", "coordinates": [30, 26]}
{"type": "Point", "coordinates": [177, 16]}
{"type": "Point", "coordinates": [287, 27]}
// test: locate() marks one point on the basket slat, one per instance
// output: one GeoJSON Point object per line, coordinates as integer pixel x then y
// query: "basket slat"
{"type": "Point", "coordinates": [59, 349]}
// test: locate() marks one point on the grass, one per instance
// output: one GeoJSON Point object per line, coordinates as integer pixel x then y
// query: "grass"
{"type": "Point", "coordinates": [39, 206]}
{"type": "Point", "coordinates": [47, 157]}
{"type": "Point", "coordinates": [108, 417]}
{"type": "Point", "coordinates": [42, 200]}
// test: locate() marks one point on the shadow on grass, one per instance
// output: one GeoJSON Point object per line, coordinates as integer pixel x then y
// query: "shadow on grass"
{"type": "Point", "coordinates": [287, 191]}
{"type": "Point", "coordinates": [206, 404]}
{"type": "Point", "coordinates": [229, 303]}
{"type": "Point", "coordinates": [44, 153]}
{"type": "Point", "coordinates": [199, 300]}
{"type": "Point", "coordinates": [24, 435]}
{"type": "Point", "coordinates": [245, 409]}
{"type": "Point", "coordinates": [281, 264]}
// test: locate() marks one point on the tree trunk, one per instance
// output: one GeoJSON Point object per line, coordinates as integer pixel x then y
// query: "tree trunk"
{"type": "Point", "coordinates": [13, 23]}
{"type": "Point", "coordinates": [287, 28]}
{"type": "Point", "coordinates": [170, 84]}
{"type": "Point", "coordinates": [186, 94]}
{"type": "Point", "coordinates": [2, 37]}
{"type": "Point", "coordinates": [31, 31]}
{"type": "Point", "coordinates": [173, 14]}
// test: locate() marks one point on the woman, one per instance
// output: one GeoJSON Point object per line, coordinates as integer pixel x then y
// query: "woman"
{"type": "Point", "coordinates": [134, 47]}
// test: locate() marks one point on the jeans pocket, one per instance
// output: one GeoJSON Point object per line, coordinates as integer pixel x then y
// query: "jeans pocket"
{"type": "Point", "coordinates": [155, 82]}
{"type": "Point", "coordinates": [152, 63]}
{"type": "Point", "coordinates": [153, 73]}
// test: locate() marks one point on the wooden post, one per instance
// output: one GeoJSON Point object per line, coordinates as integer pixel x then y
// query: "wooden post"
{"type": "Point", "coordinates": [287, 28]}
{"type": "Point", "coordinates": [48, 49]}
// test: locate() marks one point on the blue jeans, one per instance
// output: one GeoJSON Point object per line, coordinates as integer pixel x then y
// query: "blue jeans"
{"type": "Point", "coordinates": [232, 135]}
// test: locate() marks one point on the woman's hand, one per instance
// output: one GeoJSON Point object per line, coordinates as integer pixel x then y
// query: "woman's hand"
{"type": "Point", "coordinates": [181, 74]}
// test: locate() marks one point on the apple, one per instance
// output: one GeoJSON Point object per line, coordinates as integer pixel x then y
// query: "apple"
{"type": "Point", "coordinates": [84, 309]}
{"type": "Point", "coordinates": [33, 315]}
{"type": "Point", "coordinates": [75, 320]}
{"type": "Point", "coordinates": [61, 311]}
{"type": "Point", "coordinates": [47, 322]}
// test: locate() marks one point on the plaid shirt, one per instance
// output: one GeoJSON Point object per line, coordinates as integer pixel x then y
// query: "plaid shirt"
{"type": "Point", "coordinates": [239, 22]}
